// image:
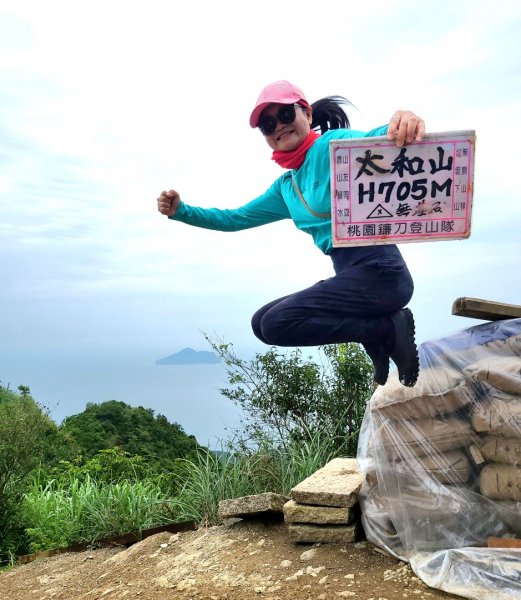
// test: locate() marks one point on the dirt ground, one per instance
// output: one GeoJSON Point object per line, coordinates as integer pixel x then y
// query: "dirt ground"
{"type": "Point", "coordinates": [238, 561]}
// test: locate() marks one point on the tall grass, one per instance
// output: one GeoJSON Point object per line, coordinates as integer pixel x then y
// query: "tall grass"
{"type": "Point", "coordinates": [209, 478]}
{"type": "Point", "coordinates": [65, 511]}
{"type": "Point", "coordinates": [293, 464]}
{"type": "Point", "coordinates": [61, 513]}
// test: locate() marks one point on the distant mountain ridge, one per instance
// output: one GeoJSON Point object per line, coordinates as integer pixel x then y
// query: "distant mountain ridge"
{"type": "Point", "coordinates": [189, 356]}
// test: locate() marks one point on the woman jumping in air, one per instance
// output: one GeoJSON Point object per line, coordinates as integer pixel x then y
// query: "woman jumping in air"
{"type": "Point", "coordinates": [364, 301]}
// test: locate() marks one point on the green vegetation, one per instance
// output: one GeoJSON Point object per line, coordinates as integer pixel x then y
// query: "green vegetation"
{"type": "Point", "coordinates": [26, 436]}
{"type": "Point", "coordinates": [59, 514]}
{"type": "Point", "coordinates": [209, 478]}
{"type": "Point", "coordinates": [135, 430]}
{"type": "Point", "coordinates": [114, 468]}
{"type": "Point", "coordinates": [285, 397]}
{"type": "Point", "coordinates": [112, 454]}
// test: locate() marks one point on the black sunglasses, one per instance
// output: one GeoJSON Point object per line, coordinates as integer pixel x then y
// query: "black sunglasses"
{"type": "Point", "coordinates": [286, 115]}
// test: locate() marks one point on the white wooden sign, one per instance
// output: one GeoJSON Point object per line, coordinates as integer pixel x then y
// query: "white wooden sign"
{"type": "Point", "coordinates": [383, 194]}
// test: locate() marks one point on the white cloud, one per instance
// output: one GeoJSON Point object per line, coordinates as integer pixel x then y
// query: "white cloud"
{"type": "Point", "coordinates": [107, 103]}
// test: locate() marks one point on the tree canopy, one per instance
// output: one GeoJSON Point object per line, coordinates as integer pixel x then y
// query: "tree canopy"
{"type": "Point", "coordinates": [25, 430]}
{"type": "Point", "coordinates": [135, 430]}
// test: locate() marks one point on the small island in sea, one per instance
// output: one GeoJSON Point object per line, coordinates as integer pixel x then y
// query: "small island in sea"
{"type": "Point", "coordinates": [188, 356]}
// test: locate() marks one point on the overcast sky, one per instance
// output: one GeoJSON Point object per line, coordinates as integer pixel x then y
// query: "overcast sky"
{"type": "Point", "coordinates": [106, 103]}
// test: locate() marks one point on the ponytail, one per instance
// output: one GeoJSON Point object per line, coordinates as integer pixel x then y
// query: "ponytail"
{"type": "Point", "coordinates": [329, 114]}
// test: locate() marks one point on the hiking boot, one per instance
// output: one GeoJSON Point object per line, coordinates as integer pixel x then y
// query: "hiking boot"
{"type": "Point", "coordinates": [405, 352]}
{"type": "Point", "coordinates": [380, 358]}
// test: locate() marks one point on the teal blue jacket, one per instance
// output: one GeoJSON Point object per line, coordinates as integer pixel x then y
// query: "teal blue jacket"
{"type": "Point", "coordinates": [281, 201]}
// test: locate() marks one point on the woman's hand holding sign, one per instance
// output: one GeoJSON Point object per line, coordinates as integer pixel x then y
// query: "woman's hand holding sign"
{"type": "Point", "coordinates": [405, 127]}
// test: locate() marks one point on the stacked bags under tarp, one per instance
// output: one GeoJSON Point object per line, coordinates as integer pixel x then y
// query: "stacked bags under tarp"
{"type": "Point", "coordinates": [443, 463]}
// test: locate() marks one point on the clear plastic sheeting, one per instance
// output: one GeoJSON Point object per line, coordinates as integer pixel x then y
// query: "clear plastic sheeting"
{"type": "Point", "coordinates": [443, 463]}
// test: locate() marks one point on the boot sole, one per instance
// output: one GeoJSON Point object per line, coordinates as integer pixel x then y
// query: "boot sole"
{"type": "Point", "coordinates": [408, 373]}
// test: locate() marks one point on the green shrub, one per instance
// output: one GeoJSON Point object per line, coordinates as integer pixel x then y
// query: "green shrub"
{"type": "Point", "coordinates": [286, 397]}
{"type": "Point", "coordinates": [112, 466]}
{"type": "Point", "coordinates": [25, 434]}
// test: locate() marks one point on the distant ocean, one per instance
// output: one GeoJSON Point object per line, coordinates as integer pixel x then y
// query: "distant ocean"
{"type": "Point", "coordinates": [188, 395]}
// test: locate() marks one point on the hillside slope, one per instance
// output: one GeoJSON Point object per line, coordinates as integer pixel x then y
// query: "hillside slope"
{"type": "Point", "coordinates": [240, 561]}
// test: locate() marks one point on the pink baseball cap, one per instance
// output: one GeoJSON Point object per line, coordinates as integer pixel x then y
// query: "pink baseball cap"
{"type": "Point", "coordinates": [279, 92]}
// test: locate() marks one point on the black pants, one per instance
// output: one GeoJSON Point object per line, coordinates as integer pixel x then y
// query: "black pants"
{"type": "Point", "coordinates": [352, 306]}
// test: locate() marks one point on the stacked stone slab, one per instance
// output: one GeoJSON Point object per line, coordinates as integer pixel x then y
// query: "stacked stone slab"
{"type": "Point", "coordinates": [257, 506]}
{"type": "Point", "coordinates": [324, 507]}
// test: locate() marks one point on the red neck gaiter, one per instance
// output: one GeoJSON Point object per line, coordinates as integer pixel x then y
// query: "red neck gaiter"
{"type": "Point", "coordinates": [294, 158]}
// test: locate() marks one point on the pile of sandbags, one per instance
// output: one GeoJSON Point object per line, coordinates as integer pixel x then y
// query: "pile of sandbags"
{"type": "Point", "coordinates": [425, 427]}
{"type": "Point", "coordinates": [442, 463]}
{"type": "Point", "coordinates": [443, 459]}
{"type": "Point", "coordinates": [497, 418]}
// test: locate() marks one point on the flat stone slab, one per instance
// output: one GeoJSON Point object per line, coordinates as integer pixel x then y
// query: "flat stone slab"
{"type": "Point", "coordinates": [336, 484]}
{"type": "Point", "coordinates": [323, 534]}
{"type": "Point", "coordinates": [252, 506]}
{"type": "Point", "coordinates": [319, 515]}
